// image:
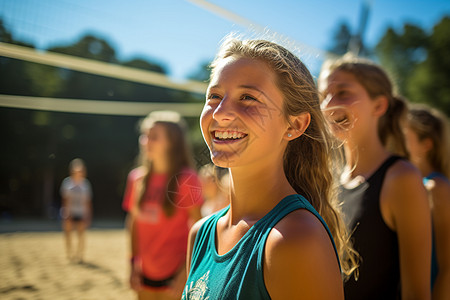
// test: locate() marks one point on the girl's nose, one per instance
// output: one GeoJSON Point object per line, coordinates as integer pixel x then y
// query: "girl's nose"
{"type": "Point", "coordinates": [225, 111]}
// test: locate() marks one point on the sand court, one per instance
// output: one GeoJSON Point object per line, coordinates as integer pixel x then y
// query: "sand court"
{"type": "Point", "coordinates": [33, 265]}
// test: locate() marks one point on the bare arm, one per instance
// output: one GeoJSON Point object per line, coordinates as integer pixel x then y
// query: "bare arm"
{"type": "Point", "coordinates": [405, 196]}
{"type": "Point", "coordinates": [300, 262]}
{"type": "Point", "coordinates": [440, 197]}
{"type": "Point", "coordinates": [64, 203]}
{"type": "Point", "coordinates": [131, 225]}
{"type": "Point", "coordinates": [135, 270]}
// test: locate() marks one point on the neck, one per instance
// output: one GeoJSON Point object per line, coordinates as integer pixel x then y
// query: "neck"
{"type": "Point", "coordinates": [160, 166]}
{"type": "Point", "coordinates": [364, 158]}
{"type": "Point", "coordinates": [255, 191]}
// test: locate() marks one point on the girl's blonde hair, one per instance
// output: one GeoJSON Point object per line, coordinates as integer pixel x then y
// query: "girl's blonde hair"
{"type": "Point", "coordinates": [377, 83]}
{"type": "Point", "coordinates": [429, 123]}
{"type": "Point", "coordinates": [307, 159]}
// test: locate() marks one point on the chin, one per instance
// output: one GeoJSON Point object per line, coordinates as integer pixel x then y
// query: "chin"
{"type": "Point", "coordinates": [223, 160]}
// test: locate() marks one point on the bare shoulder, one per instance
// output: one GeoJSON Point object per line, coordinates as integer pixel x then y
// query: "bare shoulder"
{"type": "Point", "coordinates": [302, 234]}
{"type": "Point", "coordinates": [403, 178]}
{"type": "Point", "coordinates": [403, 170]}
{"type": "Point", "coordinates": [403, 198]}
{"type": "Point", "coordinates": [298, 227]}
{"type": "Point", "coordinates": [300, 258]}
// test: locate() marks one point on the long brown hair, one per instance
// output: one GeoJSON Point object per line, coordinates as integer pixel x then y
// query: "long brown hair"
{"type": "Point", "coordinates": [307, 159]}
{"type": "Point", "coordinates": [429, 123]}
{"type": "Point", "coordinates": [377, 83]}
{"type": "Point", "coordinates": [178, 156]}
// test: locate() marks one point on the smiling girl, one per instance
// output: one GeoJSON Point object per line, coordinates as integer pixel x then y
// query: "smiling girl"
{"type": "Point", "coordinates": [262, 120]}
{"type": "Point", "coordinates": [383, 200]}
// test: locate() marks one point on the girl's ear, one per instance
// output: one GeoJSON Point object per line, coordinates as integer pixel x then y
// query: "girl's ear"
{"type": "Point", "coordinates": [297, 126]}
{"type": "Point", "coordinates": [380, 106]}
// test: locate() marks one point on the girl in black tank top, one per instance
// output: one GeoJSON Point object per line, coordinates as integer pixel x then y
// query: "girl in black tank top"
{"type": "Point", "coordinates": [387, 211]}
{"type": "Point", "coordinates": [361, 208]}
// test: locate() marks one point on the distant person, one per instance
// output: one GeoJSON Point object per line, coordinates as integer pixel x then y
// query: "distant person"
{"type": "Point", "coordinates": [427, 138]}
{"type": "Point", "coordinates": [163, 199]}
{"type": "Point", "coordinates": [281, 236]}
{"type": "Point", "coordinates": [76, 209]}
{"type": "Point", "coordinates": [215, 189]}
{"type": "Point", "coordinates": [383, 200]}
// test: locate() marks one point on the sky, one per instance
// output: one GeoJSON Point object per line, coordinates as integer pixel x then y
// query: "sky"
{"type": "Point", "coordinates": [181, 34]}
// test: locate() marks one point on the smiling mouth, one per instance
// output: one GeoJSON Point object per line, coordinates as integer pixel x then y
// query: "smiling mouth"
{"type": "Point", "coordinates": [228, 135]}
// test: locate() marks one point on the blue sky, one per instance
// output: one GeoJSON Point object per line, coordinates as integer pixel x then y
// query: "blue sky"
{"type": "Point", "coordinates": [181, 35]}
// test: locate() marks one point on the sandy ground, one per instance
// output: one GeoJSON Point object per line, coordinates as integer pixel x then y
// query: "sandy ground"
{"type": "Point", "coordinates": [33, 265]}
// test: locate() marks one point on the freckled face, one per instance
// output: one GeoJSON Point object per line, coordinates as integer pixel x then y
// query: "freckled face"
{"type": "Point", "coordinates": [242, 120]}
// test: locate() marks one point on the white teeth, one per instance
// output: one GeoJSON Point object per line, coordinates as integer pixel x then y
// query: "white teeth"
{"type": "Point", "coordinates": [224, 135]}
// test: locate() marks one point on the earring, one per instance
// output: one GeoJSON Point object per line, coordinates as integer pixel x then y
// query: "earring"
{"type": "Point", "coordinates": [289, 135]}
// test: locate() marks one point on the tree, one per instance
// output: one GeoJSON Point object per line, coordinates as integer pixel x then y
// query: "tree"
{"type": "Point", "coordinates": [341, 39]}
{"type": "Point", "coordinates": [202, 72]}
{"type": "Point", "coordinates": [38, 145]}
{"type": "Point", "coordinates": [400, 53]}
{"type": "Point", "coordinates": [419, 62]}
{"type": "Point", "coordinates": [430, 81]}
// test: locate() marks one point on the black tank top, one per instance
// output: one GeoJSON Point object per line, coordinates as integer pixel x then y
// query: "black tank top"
{"type": "Point", "coordinates": [377, 244]}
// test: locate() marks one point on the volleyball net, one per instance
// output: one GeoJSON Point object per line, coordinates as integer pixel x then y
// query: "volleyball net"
{"type": "Point", "coordinates": [102, 69]}
{"type": "Point", "coordinates": [130, 74]}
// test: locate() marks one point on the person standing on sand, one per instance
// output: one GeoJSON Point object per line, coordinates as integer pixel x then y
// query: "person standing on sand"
{"type": "Point", "coordinates": [76, 209]}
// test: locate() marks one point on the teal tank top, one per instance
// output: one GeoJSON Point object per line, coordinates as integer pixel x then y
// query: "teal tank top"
{"type": "Point", "coordinates": [238, 274]}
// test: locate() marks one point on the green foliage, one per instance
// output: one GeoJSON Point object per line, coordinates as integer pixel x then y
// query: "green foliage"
{"type": "Point", "coordinates": [341, 39]}
{"type": "Point", "coordinates": [202, 73]}
{"type": "Point", "coordinates": [89, 47]}
{"type": "Point", "coordinates": [399, 53]}
{"type": "Point", "coordinates": [139, 63]}
{"type": "Point", "coordinates": [419, 62]}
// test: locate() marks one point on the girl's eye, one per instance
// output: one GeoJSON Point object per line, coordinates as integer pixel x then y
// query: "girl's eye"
{"type": "Point", "coordinates": [213, 97]}
{"type": "Point", "coordinates": [342, 93]}
{"type": "Point", "coordinates": [248, 97]}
